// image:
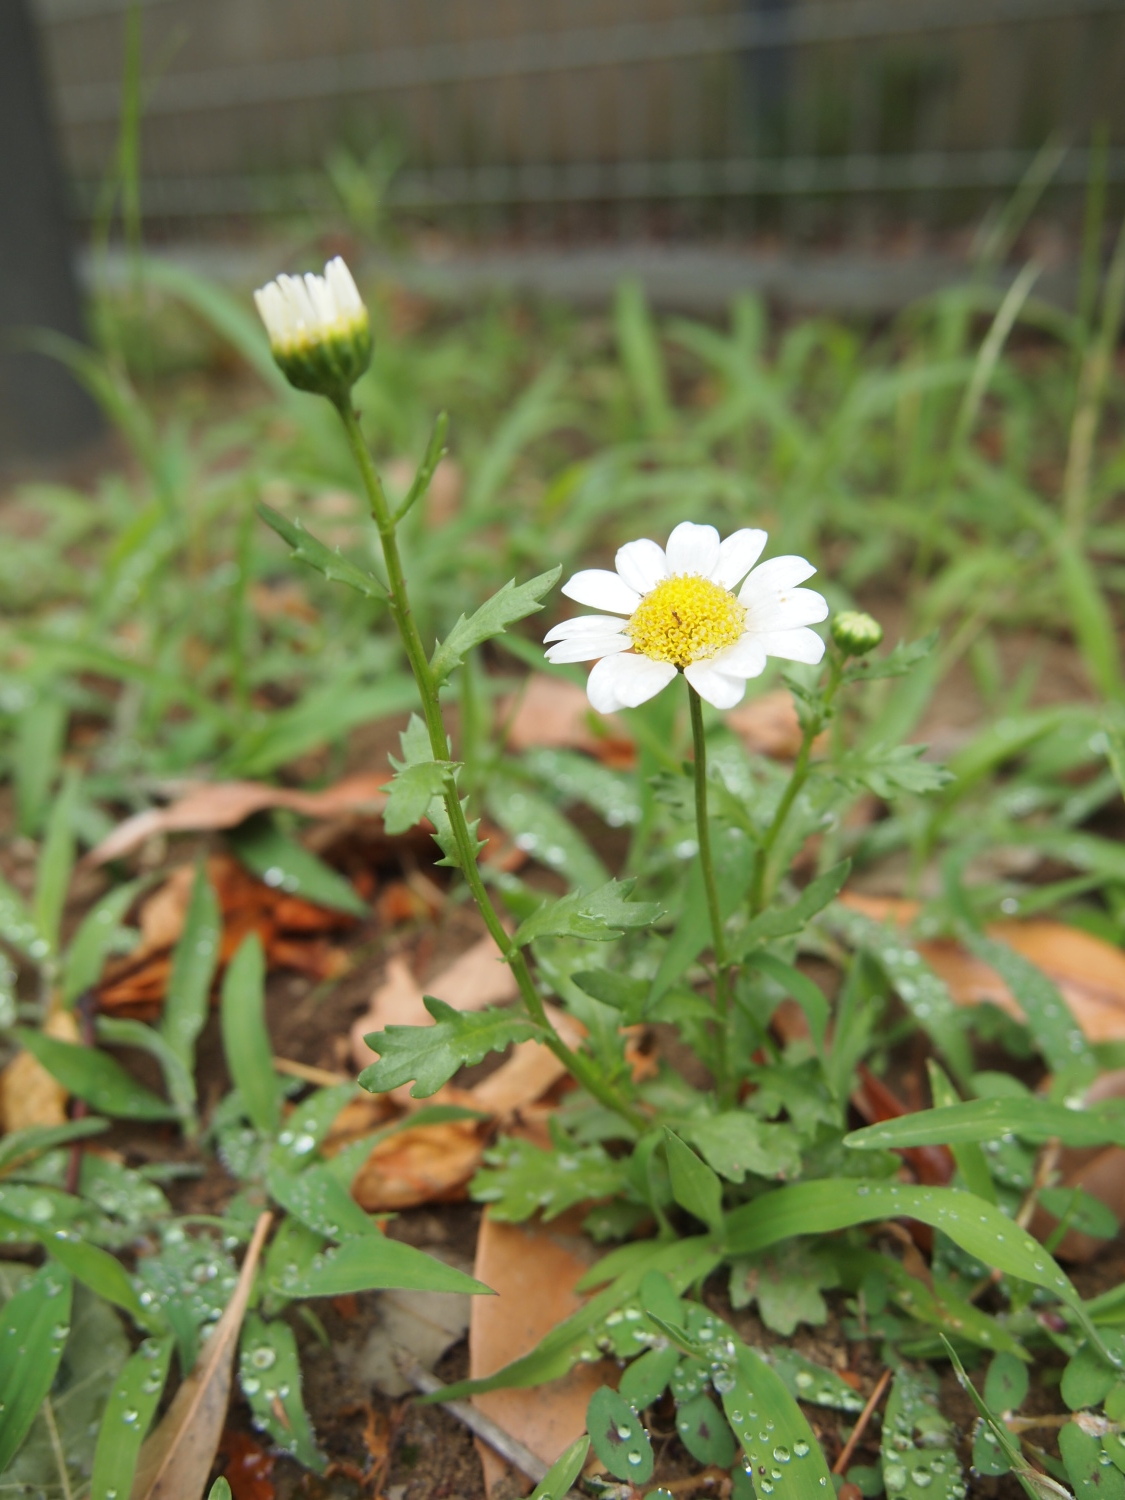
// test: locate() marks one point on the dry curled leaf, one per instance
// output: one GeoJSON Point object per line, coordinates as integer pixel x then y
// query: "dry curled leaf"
{"type": "Point", "coordinates": [204, 806]}
{"type": "Point", "coordinates": [552, 713]}
{"type": "Point", "coordinates": [29, 1095]}
{"type": "Point", "coordinates": [176, 1457]}
{"type": "Point", "coordinates": [425, 1164]}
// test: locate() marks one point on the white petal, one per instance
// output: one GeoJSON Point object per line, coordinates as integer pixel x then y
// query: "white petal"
{"type": "Point", "coordinates": [601, 589]}
{"type": "Point", "coordinates": [583, 625]}
{"type": "Point", "coordinates": [746, 658]}
{"type": "Point", "coordinates": [777, 574]}
{"type": "Point", "coordinates": [588, 647]}
{"type": "Point", "coordinates": [626, 681]}
{"type": "Point", "coordinates": [784, 611]}
{"type": "Point", "coordinates": [693, 549]}
{"type": "Point", "coordinates": [737, 555]}
{"type": "Point", "coordinates": [719, 690]}
{"type": "Point", "coordinates": [343, 287]}
{"type": "Point", "coordinates": [642, 564]}
{"type": "Point", "coordinates": [793, 645]}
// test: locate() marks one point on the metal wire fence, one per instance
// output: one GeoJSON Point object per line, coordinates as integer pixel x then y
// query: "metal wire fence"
{"type": "Point", "coordinates": [594, 118]}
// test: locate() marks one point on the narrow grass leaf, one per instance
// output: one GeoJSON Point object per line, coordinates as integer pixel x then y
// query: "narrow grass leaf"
{"type": "Point", "coordinates": [176, 1459]}
{"type": "Point", "coordinates": [970, 1159]}
{"type": "Point", "coordinates": [280, 861]}
{"type": "Point", "coordinates": [563, 1472]}
{"type": "Point", "coordinates": [543, 832]}
{"type": "Point", "coordinates": [1057, 1035]}
{"type": "Point", "coordinates": [129, 1411]}
{"type": "Point", "coordinates": [36, 754]}
{"type": "Point", "coordinates": [56, 861]}
{"type": "Point", "coordinates": [372, 1262]}
{"type": "Point", "coordinates": [323, 716]}
{"type": "Point", "coordinates": [194, 958]}
{"type": "Point", "coordinates": [1032, 1119]}
{"type": "Point", "coordinates": [782, 1455]}
{"type": "Point", "coordinates": [125, 1033]}
{"type": "Point", "coordinates": [33, 1330]}
{"type": "Point", "coordinates": [246, 1042]}
{"type": "Point", "coordinates": [326, 560]}
{"type": "Point", "coordinates": [269, 1373]}
{"type": "Point", "coordinates": [695, 1186]}
{"type": "Point", "coordinates": [317, 1199]}
{"type": "Point", "coordinates": [18, 927]}
{"type": "Point", "coordinates": [93, 942]}
{"type": "Point", "coordinates": [94, 1077]}
{"type": "Point", "coordinates": [19, 1148]}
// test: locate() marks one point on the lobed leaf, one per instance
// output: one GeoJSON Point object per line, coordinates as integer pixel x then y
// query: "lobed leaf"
{"type": "Point", "coordinates": [511, 603]}
{"type": "Point", "coordinates": [432, 1054]}
{"type": "Point", "coordinates": [326, 560]}
{"type": "Point", "coordinates": [599, 915]}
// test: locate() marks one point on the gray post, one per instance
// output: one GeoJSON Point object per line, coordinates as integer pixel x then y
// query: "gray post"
{"type": "Point", "coordinates": [43, 410]}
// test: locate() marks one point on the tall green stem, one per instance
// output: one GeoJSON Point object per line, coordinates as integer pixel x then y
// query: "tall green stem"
{"type": "Point", "coordinates": [723, 1077]}
{"type": "Point", "coordinates": [580, 1066]}
{"type": "Point", "coordinates": [761, 887]}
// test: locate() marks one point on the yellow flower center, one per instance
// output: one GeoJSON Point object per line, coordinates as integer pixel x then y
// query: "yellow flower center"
{"type": "Point", "coordinates": [686, 619]}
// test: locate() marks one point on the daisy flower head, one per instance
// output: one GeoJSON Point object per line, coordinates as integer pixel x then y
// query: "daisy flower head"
{"type": "Point", "coordinates": [700, 606]}
{"type": "Point", "coordinates": [319, 329]}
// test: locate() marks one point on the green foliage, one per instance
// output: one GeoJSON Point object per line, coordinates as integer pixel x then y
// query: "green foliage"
{"type": "Point", "coordinates": [432, 1054]}
{"type": "Point", "coordinates": [600, 915]}
{"type": "Point", "coordinates": [511, 603]}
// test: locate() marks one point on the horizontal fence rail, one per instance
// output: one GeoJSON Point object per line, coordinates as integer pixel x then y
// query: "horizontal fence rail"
{"type": "Point", "coordinates": [716, 108]}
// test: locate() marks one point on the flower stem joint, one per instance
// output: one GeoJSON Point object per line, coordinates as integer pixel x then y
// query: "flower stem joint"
{"type": "Point", "coordinates": [319, 330]}
{"type": "Point", "coordinates": [856, 634]}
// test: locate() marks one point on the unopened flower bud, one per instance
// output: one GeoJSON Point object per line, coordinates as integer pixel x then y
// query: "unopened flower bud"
{"type": "Point", "coordinates": [319, 330]}
{"type": "Point", "coordinates": [856, 633]}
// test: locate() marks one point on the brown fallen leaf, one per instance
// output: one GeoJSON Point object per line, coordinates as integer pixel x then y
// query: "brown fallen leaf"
{"type": "Point", "coordinates": [1089, 973]}
{"type": "Point", "coordinates": [176, 1457]}
{"type": "Point", "coordinates": [292, 931]}
{"type": "Point", "coordinates": [552, 713]}
{"type": "Point", "coordinates": [427, 1164]}
{"type": "Point", "coordinates": [204, 806]}
{"type": "Point", "coordinates": [768, 725]}
{"type": "Point", "coordinates": [29, 1095]}
{"type": "Point", "coordinates": [247, 1467]}
{"type": "Point", "coordinates": [533, 1271]}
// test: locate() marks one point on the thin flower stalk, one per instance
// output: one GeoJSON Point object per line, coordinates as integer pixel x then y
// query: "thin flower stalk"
{"type": "Point", "coordinates": [710, 886]}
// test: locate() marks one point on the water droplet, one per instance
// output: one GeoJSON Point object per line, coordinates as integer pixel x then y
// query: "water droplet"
{"type": "Point", "coordinates": [922, 1478]}
{"type": "Point", "coordinates": [800, 1448]}
{"type": "Point", "coordinates": [781, 1454]}
{"type": "Point", "coordinates": [251, 1385]}
{"type": "Point", "coordinates": [130, 1416]}
{"type": "Point", "coordinates": [803, 1380]}
{"type": "Point", "coordinates": [634, 1456]}
{"type": "Point", "coordinates": [894, 1476]}
{"type": "Point", "coordinates": [263, 1357]}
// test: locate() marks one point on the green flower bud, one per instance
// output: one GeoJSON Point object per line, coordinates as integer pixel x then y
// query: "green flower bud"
{"type": "Point", "coordinates": [856, 633]}
{"type": "Point", "coordinates": [319, 330]}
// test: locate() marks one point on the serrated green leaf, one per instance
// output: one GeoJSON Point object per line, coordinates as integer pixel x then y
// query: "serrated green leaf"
{"type": "Point", "coordinates": [1057, 1034]}
{"type": "Point", "coordinates": [246, 1041]}
{"type": "Point", "coordinates": [1031, 1119]}
{"type": "Point", "coordinates": [432, 1054]}
{"type": "Point", "coordinates": [783, 921]}
{"type": "Point", "coordinates": [511, 603]}
{"type": "Point", "coordinates": [735, 1142]}
{"type": "Point", "coordinates": [269, 1372]}
{"type": "Point", "coordinates": [280, 861]}
{"type": "Point", "coordinates": [600, 915]}
{"type": "Point", "coordinates": [372, 1262]}
{"type": "Point", "coordinates": [129, 1411]}
{"type": "Point", "coordinates": [325, 560]}
{"type": "Point", "coordinates": [563, 1472]}
{"type": "Point", "coordinates": [694, 1185]}
{"type": "Point", "coordinates": [897, 662]}
{"type": "Point", "coordinates": [888, 770]}
{"type": "Point", "coordinates": [775, 1436]}
{"type": "Point", "coordinates": [411, 791]}
{"type": "Point", "coordinates": [618, 1436]}
{"type": "Point", "coordinates": [91, 1075]}
{"type": "Point", "coordinates": [520, 1179]}
{"type": "Point", "coordinates": [30, 1323]}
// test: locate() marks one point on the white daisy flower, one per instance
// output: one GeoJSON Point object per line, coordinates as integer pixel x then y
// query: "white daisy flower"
{"type": "Point", "coordinates": [699, 607]}
{"type": "Point", "coordinates": [319, 329]}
